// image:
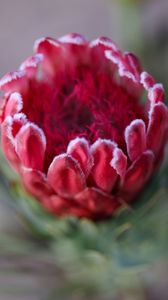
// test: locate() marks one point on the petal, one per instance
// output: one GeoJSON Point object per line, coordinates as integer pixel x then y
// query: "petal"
{"type": "Point", "coordinates": [3, 101]}
{"type": "Point", "coordinates": [52, 53]}
{"type": "Point", "coordinates": [57, 204]}
{"type": "Point", "coordinates": [138, 173]}
{"type": "Point", "coordinates": [133, 64]}
{"type": "Point", "coordinates": [79, 149]}
{"type": "Point", "coordinates": [73, 38]}
{"type": "Point", "coordinates": [30, 146]}
{"type": "Point", "coordinates": [147, 80]}
{"type": "Point", "coordinates": [105, 42]}
{"type": "Point", "coordinates": [65, 176]}
{"type": "Point", "coordinates": [30, 65]}
{"type": "Point", "coordinates": [156, 93]}
{"type": "Point", "coordinates": [103, 173]}
{"type": "Point", "coordinates": [14, 105]}
{"type": "Point", "coordinates": [8, 145]}
{"type": "Point", "coordinates": [97, 202]}
{"type": "Point", "coordinates": [13, 81]}
{"type": "Point", "coordinates": [135, 137]}
{"type": "Point", "coordinates": [158, 122]}
{"type": "Point", "coordinates": [36, 182]}
{"type": "Point", "coordinates": [119, 162]}
{"type": "Point", "coordinates": [64, 207]}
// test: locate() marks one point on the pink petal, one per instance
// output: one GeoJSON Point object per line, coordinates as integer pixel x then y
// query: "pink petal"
{"type": "Point", "coordinates": [97, 202]}
{"type": "Point", "coordinates": [105, 42]}
{"type": "Point", "coordinates": [8, 145]}
{"type": "Point", "coordinates": [147, 80]}
{"type": "Point", "coordinates": [56, 204]}
{"type": "Point", "coordinates": [158, 122]}
{"type": "Point", "coordinates": [13, 81]}
{"type": "Point", "coordinates": [64, 207]}
{"type": "Point", "coordinates": [119, 162]}
{"type": "Point", "coordinates": [73, 38]}
{"type": "Point", "coordinates": [138, 173]}
{"type": "Point", "coordinates": [30, 146]}
{"type": "Point", "coordinates": [52, 53]}
{"type": "Point", "coordinates": [3, 102]}
{"type": "Point", "coordinates": [14, 105]}
{"type": "Point", "coordinates": [135, 137]}
{"type": "Point", "coordinates": [156, 93]}
{"type": "Point", "coordinates": [36, 182]}
{"type": "Point", "coordinates": [30, 65]}
{"type": "Point", "coordinates": [133, 64]}
{"type": "Point", "coordinates": [79, 149]}
{"type": "Point", "coordinates": [103, 173]}
{"type": "Point", "coordinates": [65, 176]}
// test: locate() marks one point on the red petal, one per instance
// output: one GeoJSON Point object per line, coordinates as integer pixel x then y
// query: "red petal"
{"type": "Point", "coordinates": [97, 202]}
{"type": "Point", "coordinates": [30, 146]}
{"type": "Point", "coordinates": [13, 81]}
{"type": "Point", "coordinates": [73, 38]}
{"type": "Point", "coordinates": [30, 65]}
{"type": "Point", "coordinates": [52, 51]}
{"type": "Point", "coordinates": [158, 123]}
{"type": "Point", "coordinates": [104, 42]}
{"type": "Point", "coordinates": [3, 102]}
{"type": "Point", "coordinates": [138, 173]}
{"type": "Point", "coordinates": [14, 105]}
{"type": "Point", "coordinates": [135, 136]}
{"type": "Point", "coordinates": [65, 176]}
{"type": "Point", "coordinates": [156, 93]}
{"type": "Point", "coordinates": [119, 162]}
{"type": "Point", "coordinates": [103, 173]}
{"type": "Point", "coordinates": [64, 207]}
{"type": "Point", "coordinates": [79, 149]}
{"type": "Point", "coordinates": [36, 182]}
{"type": "Point", "coordinates": [147, 80]}
{"type": "Point", "coordinates": [133, 64]}
{"type": "Point", "coordinates": [8, 144]}
{"type": "Point", "coordinates": [56, 204]}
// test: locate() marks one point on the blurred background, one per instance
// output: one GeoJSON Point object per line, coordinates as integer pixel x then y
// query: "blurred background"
{"type": "Point", "coordinates": [140, 26]}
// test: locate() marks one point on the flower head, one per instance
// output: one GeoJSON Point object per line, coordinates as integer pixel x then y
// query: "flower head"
{"type": "Point", "coordinates": [75, 127]}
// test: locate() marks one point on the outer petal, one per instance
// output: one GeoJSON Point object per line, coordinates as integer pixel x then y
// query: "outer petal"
{"type": "Point", "coordinates": [147, 80]}
{"type": "Point", "coordinates": [97, 202]}
{"type": "Point", "coordinates": [3, 102]}
{"type": "Point", "coordinates": [138, 173]}
{"type": "Point", "coordinates": [65, 176]}
{"type": "Point", "coordinates": [56, 204]}
{"type": "Point", "coordinates": [7, 141]}
{"type": "Point", "coordinates": [9, 129]}
{"type": "Point", "coordinates": [30, 65]}
{"type": "Point", "coordinates": [14, 81]}
{"type": "Point", "coordinates": [79, 149]}
{"type": "Point", "coordinates": [128, 70]}
{"type": "Point", "coordinates": [103, 173]}
{"type": "Point", "coordinates": [36, 182]}
{"type": "Point", "coordinates": [14, 105]}
{"type": "Point", "coordinates": [135, 136]}
{"type": "Point", "coordinates": [156, 93]}
{"type": "Point", "coordinates": [30, 146]}
{"type": "Point", "coordinates": [73, 38]}
{"type": "Point", "coordinates": [52, 51]}
{"type": "Point", "coordinates": [119, 162]}
{"type": "Point", "coordinates": [64, 207]}
{"type": "Point", "coordinates": [133, 64]}
{"type": "Point", "coordinates": [158, 122]}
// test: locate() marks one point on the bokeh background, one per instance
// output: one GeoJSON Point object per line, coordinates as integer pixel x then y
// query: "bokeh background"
{"type": "Point", "coordinates": [138, 26]}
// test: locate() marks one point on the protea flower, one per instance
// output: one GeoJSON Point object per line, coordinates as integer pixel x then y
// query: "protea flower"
{"type": "Point", "coordinates": [75, 127]}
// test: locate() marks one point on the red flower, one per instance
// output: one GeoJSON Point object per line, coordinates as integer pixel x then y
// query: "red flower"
{"type": "Point", "coordinates": [76, 128]}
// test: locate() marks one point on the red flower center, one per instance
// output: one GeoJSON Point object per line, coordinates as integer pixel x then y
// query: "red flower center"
{"type": "Point", "coordinates": [90, 105]}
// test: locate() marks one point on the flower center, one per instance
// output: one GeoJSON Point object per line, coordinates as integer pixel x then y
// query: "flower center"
{"type": "Point", "coordinates": [88, 105]}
